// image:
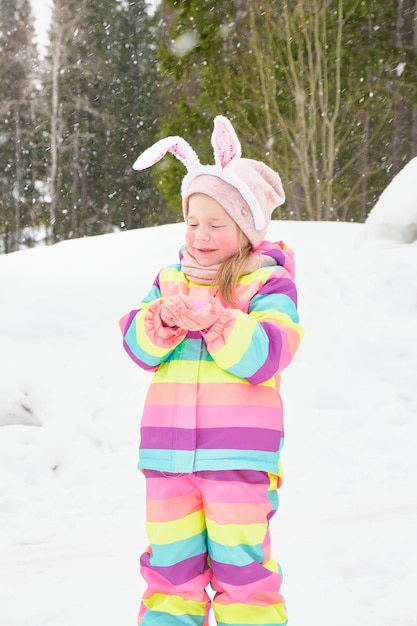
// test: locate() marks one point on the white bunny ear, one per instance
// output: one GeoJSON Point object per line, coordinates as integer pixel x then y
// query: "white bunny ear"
{"type": "Point", "coordinates": [225, 143]}
{"type": "Point", "coordinates": [176, 145]}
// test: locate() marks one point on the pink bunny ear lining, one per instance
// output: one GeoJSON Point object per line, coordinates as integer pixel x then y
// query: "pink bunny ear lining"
{"type": "Point", "coordinates": [176, 145]}
{"type": "Point", "coordinates": [225, 143]}
{"type": "Point", "coordinates": [178, 151]}
{"type": "Point", "coordinates": [147, 159]}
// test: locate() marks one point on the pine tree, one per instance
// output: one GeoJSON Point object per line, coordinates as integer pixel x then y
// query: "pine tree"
{"type": "Point", "coordinates": [133, 102]}
{"type": "Point", "coordinates": [18, 123]}
{"type": "Point", "coordinates": [103, 84]}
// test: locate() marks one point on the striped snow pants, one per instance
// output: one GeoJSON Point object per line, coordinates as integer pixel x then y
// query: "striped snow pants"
{"type": "Point", "coordinates": [207, 528]}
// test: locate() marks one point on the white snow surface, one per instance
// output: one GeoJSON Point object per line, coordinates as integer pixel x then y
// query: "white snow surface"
{"type": "Point", "coordinates": [394, 216]}
{"type": "Point", "coordinates": [71, 499]}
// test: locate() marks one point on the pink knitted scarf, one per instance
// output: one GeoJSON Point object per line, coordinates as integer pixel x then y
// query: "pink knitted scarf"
{"type": "Point", "coordinates": [204, 275]}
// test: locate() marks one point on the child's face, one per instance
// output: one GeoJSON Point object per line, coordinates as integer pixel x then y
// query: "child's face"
{"type": "Point", "coordinates": [212, 236]}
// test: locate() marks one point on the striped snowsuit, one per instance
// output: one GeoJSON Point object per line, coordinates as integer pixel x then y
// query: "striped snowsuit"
{"type": "Point", "coordinates": [211, 436]}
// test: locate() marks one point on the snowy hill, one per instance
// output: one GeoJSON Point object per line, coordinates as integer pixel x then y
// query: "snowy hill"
{"type": "Point", "coordinates": [71, 500]}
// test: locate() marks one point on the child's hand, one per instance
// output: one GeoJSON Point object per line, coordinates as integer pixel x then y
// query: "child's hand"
{"type": "Point", "coordinates": [189, 319]}
{"type": "Point", "coordinates": [171, 306]}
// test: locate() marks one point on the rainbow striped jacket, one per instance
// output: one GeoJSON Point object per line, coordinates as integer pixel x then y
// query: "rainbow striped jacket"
{"type": "Point", "coordinates": [214, 401]}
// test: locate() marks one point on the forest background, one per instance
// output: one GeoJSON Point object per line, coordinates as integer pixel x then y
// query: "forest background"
{"type": "Point", "coordinates": [324, 91]}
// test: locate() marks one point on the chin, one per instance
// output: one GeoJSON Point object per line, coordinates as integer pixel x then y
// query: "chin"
{"type": "Point", "coordinates": [206, 259]}
{"type": "Point", "coordinates": [204, 262]}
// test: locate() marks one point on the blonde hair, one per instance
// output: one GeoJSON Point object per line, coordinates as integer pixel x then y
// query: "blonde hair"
{"type": "Point", "coordinates": [225, 281]}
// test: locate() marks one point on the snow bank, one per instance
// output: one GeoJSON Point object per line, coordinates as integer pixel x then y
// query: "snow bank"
{"type": "Point", "coordinates": [394, 216]}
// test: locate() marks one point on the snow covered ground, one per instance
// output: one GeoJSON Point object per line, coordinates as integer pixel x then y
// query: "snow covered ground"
{"type": "Point", "coordinates": [71, 500]}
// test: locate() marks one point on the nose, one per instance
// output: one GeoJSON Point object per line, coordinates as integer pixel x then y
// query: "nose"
{"type": "Point", "coordinates": [201, 233]}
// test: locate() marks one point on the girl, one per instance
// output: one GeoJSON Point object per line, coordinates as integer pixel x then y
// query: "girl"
{"type": "Point", "coordinates": [217, 329]}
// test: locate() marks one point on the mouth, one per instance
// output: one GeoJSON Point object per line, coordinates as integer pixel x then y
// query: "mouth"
{"type": "Point", "coordinates": [205, 250]}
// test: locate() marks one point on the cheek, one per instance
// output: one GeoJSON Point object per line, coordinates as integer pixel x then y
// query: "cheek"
{"type": "Point", "coordinates": [189, 238]}
{"type": "Point", "coordinates": [229, 244]}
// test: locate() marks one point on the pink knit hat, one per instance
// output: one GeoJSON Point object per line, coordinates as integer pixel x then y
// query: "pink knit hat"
{"type": "Point", "coordinates": [247, 189]}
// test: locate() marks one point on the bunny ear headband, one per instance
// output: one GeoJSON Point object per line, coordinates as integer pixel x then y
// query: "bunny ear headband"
{"type": "Point", "coordinates": [227, 152]}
